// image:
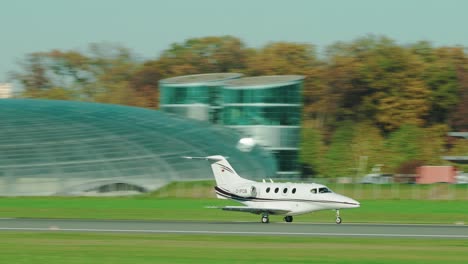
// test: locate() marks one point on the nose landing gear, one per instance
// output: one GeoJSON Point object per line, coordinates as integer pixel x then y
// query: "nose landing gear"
{"type": "Point", "coordinates": [338, 218]}
{"type": "Point", "coordinates": [288, 218]}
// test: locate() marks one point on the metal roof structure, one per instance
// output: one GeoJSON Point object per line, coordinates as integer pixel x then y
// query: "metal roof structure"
{"type": "Point", "coordinates": [458, 134]}
{"type": "Point", "coordinates": [457, 159]}
{"type": "Point", "coordinates": [197, 79]}
{"type": "Point", "coordinates": [50, 147]}
{"type": "Point", "coordinates": [262, 81]}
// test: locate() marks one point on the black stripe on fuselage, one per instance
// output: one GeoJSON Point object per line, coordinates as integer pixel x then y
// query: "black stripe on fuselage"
{"type": "Point", "coordinates": [226, 194]}
{"type": "Point", "coordinates": [229, 195]}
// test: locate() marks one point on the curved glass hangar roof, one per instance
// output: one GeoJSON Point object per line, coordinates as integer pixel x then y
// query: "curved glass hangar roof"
{"type": "Point", "coordinates": [60, 147]}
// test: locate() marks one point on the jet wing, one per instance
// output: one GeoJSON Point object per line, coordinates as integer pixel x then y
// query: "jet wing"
{"type": "Point", "coordinates": [255, 210]}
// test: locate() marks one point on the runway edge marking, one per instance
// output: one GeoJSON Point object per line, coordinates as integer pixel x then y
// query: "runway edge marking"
{"type": "Point", "coordinates": [207, 232]}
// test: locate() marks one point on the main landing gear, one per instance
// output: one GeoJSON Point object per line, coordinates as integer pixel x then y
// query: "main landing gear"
{"type": "Point", "coordinates": [338, 218]}
{"type": "Point", "coordinates": [289, 218]}
{"type": "Point", "coordinates": [265, 219]}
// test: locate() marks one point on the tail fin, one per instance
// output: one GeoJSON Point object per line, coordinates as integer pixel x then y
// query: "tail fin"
{"type": "Point", "coordinates": [223, 172]}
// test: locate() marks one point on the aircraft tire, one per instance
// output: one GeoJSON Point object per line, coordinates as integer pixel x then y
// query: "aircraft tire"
{"type": "Point", "coordinates": [265, 219]}
{"type": "Point", "coordinates": [288, 218]}
{"type": "Point", "coordinates": [338, 220]}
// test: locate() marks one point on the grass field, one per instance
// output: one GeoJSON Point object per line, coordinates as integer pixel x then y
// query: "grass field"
{"type": "Point", "coordinates": [371, 211]}
{"type": "Point", "coordinates": [187, 201]}
{"type": "Point", "coordinates": [204, 189]}
{"type": "Point", "coordinates": [70, 248]}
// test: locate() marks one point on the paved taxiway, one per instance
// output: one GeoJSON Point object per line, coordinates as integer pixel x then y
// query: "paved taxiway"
{"type": "Point", "coordinates": [236, 228]}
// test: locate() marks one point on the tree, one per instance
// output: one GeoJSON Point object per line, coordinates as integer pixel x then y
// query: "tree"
{"type": "Point", "coordinates": [434, 144]}
{"type": "Point", "coordinates": [459, 115]}
{"type": "Point", "coordinates": [204, 55]}
{"type": "Point", "coordinates": [52, 74]}
{"type": "Point", "coordinates": [311, 149]}
{"type": "Point", "coordinates": [102, 75]}
{"type": "Point", "coordinates": [112, 67]}
{"type": "Point", "coordinates": [145, 85]}
{"type": "Point", "coordinates": [440, 75]}
{"type": "Point", "coordinates": [368, 146]}
{"type": "Point", "coordinates": [403, 145]}
{"type": "Point", "coordinates": [282, 58]}
{"type": "Point", "coordinates": [405, 104]}
{"type": "Point", "coordinates": [373, 78]}
{"type": "Point", "coordinates": [339, 158]}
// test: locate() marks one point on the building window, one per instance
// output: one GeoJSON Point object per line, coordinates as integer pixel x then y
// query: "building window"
{"type": "Point", "coordinates": [287, 160]}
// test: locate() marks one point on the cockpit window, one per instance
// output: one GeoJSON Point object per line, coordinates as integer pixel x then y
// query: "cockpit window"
{"type": "Point", "coordinates": [324, 190]}
{"type": "Point", "coordinates": [313, 190]}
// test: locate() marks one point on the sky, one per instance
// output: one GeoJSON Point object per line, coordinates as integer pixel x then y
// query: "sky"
{"type": "Point", "coordinates": [147, 27]}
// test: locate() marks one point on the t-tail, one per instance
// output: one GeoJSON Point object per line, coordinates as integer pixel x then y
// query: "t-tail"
{"type": "Point", "coordinates": [224, 173]}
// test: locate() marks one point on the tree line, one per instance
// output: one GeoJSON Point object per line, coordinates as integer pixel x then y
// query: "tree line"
{"type": "Point", "coordinates": [365, 102]}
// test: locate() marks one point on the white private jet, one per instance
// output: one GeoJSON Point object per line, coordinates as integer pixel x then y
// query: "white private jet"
{"type": "Point", "coordinates": [270, 198]}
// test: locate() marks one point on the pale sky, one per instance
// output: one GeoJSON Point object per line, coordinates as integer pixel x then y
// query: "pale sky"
{"type": "Point", "coordinates": [147, 27]}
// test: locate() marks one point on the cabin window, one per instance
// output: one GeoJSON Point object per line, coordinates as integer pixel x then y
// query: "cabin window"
{"type": "Point", "coordinates": [276, 190]}
{"type": "Point", "coordinates": [324, 190]}
{"type": "Point", "coordinates": [268, 190]}
{"type": "Point", "coordinates": [293, 190]}
{"type": "Point", "coordinates": [313, 190]}
{"type": "Point", "coordinates": [285, 190]}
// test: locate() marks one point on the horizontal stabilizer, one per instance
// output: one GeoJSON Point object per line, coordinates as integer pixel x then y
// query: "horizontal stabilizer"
{"type": "Point", "coordinates": [255, 210]}
{"type": "Point", "coordinates": [213, 207]}
{"type": "Point", "coordinates": [214, 158]}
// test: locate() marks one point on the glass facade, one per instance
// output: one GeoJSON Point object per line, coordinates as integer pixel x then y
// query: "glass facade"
{"type": "Point", "coordinates": [288, 94]}
{"type": "Point", "coordinates": [267, 108]}
{"type": "Point", "coordinates": [186, 95]}
{"type": "Point", "coordinates": [270, 115]}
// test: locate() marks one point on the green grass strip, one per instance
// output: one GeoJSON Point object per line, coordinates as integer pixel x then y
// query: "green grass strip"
{"type": "Point", "coordinates": [150, 208]}
{"type": "Point", "coordinates": [71, 248]}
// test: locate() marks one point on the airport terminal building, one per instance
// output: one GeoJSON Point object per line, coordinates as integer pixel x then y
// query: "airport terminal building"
{"type": "Point", "coordinates": [50, 147]}
{"type": "Point", "coordinates": [266, 110]}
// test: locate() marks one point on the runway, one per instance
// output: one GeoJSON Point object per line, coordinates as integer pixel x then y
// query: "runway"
{"type": "Point", "coordinates": [237, 228]}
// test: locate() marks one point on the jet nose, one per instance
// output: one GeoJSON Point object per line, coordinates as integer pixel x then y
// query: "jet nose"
{"type": "Point", "coordinates": [353, 203]}
{"type": "Point", "coordinates": [357, 204]}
